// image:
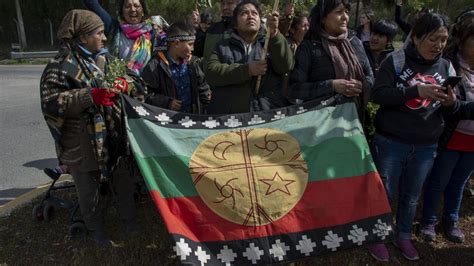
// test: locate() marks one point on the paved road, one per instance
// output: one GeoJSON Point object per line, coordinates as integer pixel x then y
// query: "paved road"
{"type": "Point", "coordinates": [26, 146]}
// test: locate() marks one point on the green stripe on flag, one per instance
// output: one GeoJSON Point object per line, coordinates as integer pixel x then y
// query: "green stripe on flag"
{"type": "Point", "coordinates": [334, 158]}
{"type": "Point", "coordinates": [311, 128]}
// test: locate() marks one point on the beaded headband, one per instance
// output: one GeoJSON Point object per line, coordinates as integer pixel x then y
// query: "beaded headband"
{"type": "Point", "coordinates": [181, 38]}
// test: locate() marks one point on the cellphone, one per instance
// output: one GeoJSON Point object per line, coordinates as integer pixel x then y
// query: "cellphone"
{"type": "Point", "coordinates": [452, 81]}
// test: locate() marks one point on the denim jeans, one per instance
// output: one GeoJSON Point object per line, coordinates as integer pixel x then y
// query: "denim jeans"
{"type": "Point", "coordinates": [403, 169]}
{"type": "Point", "coordinates": [450, 173]}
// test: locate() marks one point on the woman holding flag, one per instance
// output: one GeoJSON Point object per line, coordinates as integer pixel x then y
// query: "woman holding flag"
{"type": "Point", "coordinates": [84, 119]}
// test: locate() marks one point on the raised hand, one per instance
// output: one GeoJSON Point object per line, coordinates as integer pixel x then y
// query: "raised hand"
{"type": "Point", "coordinates": [272, 23]}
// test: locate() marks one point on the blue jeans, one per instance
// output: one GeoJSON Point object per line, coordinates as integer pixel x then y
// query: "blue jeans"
{"type": "Point", "coordinates": [403, 169]}
{"type": "Point", "coordinates": [450, 173]}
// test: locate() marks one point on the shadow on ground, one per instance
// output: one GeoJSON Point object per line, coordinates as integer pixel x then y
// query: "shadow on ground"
{"type": "Point", "coordinates": [41, 164]}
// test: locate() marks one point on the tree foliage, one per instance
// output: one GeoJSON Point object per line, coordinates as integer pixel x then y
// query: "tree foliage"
{"type": "Point", "coordinates": [38, 14]}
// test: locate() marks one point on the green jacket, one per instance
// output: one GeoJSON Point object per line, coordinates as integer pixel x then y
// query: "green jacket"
{"type": "Point", "coordinates": [216, 33]}
{"type": "Point", "coordinates": [234, 89]}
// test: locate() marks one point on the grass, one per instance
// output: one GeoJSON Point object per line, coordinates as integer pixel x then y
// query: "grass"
{"type": "Point", "coordinates": [27, 242]}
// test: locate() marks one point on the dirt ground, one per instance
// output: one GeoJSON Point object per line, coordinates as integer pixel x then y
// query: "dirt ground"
{"type": "Point", "coordinates": [27, 242]}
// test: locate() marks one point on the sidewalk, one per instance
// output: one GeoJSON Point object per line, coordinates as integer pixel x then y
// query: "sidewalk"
{"type": "Point", "coordinates": [13, 199]}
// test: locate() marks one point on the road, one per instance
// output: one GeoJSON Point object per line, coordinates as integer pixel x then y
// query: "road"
{"type": "Point", "coordinates": [26, 146]}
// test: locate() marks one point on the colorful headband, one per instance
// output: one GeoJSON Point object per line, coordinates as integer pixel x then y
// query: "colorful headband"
{"type": "Point", "coordinates": [181, 38]}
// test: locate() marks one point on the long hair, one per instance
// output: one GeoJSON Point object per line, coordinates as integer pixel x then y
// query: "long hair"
{"type": "Point", "coordinates": [120, 8]}
{"type": "Point", "coordinates": [370, 16]}
{"type": "Point", "coordinates": [461, 30]}
{"type": "Point", "coordinates": [428, 23]}
{"type": "Point", "coordinates": [319, 12]}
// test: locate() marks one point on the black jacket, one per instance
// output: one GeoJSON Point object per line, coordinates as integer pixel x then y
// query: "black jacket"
{"type": "Point", "coordinates": [313, 73]}
{"type": "Point", "coordinates": [199, 43]}
{"type": "Point", "coordinates": [402, 116]}
{"type": "Point", "coordinates": [162, 89]}
{"type": "Point", "coordinates": [402, 23]}
{"type": "Point", "coordinates": [374, 60]}
{"type": "Point", "coordinates": [465, 112]}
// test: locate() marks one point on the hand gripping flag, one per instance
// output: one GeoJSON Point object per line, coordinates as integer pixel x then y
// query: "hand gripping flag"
{"type": "Point", "coordinates": [260, 188]}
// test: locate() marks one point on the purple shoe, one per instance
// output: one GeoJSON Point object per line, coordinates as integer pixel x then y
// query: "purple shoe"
{"type": "Point", "coordinates": [428, 231]}
{"type": "Point", "coordinates": [453, 233]}
{"type": "Point", "coordinates": [379, 251]}
{"type": "Point", "coordinates": [408, 250]}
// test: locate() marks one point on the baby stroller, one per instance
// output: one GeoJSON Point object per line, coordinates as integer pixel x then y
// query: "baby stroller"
{"type": "Point", "coordinates": [49, 204]}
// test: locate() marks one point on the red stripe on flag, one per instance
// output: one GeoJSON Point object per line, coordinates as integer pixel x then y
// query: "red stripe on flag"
{"type": "Point", "coordinates": [324, 204]}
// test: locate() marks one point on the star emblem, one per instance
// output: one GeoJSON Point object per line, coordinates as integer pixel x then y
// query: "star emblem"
{"type": "Point", "coordinates": [253, 253]}
{"type": "Point", "coordinates": [279, 115]}
{"type": "Point", "coordinates": [306, 246]}
{"type": "Point", "coordinates": [211, 123]}
{"type": "Point", "coordinates": [256, 120]}
{"type": "Point", "coordinates": [163, 118]}
{"type": "Point", "coordinates": [187, 122]}
{"type": "Point", "coordinates": [226, 255]}
{"type": "Point", "coordinates": [202, 256]}
{"type": "Point", "coordinates": [301, 110]}
{"type": "Point", "coordinates": [332, 241]}
{"type": "Point", "coordinates": [279, 250]}
{"type": "Point", "coordinates": [182, 249]}
{"type": "Point", "coordinates": [141, 110]}
{"type": "Point", "coordinates": [358, 235]}
{"type": "Point", "coordinates": [381, 229]}
{"type": "Point", "coordinates": [233, 122]}
{"type": "Point", "coordinates": [277, 183]}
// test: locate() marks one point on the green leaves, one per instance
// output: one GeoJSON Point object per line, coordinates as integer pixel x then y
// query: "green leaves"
{"type": "Point", "coordinates": [117, 68]}
{"type": "Point", "coordinates": [204, 3]}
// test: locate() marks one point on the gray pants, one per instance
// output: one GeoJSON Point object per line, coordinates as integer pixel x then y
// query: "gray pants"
{"type": "Point", "coordinates": [90, 201]}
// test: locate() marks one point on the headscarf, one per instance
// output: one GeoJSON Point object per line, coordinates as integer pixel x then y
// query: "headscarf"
{"type": "Point", "coordinates": [78, 22]}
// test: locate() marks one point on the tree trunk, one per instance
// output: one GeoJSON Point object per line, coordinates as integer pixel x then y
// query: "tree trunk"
{"type": "Point", "coordinates": [356, 20]}
{"type": "Point", "coordinates": [21, 26]}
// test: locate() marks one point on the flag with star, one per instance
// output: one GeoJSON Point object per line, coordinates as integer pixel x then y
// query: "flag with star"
{"type": "Point", "coordinates": [262, 187]}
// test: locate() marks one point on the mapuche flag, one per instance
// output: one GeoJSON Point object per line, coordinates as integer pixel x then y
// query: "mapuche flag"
{"type": "Point", "coordinates": [260, 188]}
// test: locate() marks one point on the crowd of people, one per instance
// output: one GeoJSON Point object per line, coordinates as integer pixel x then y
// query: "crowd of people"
{"type": "Point", "coordinates": [424, 135]}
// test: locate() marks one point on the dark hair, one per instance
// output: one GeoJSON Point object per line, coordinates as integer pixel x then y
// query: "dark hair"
{"type": "Point", "coordinates": [297, 19]}
{"type": "Point", "coordinates": [370, 15]}
{"type": "Point", "coordinates": [206, 18]}
{"type": "Point", "coordinates": [462, 29]}
{"type": "Point", "coordinates": [122, 2]}
{"type": "Point", "coordinates": [180, 29]}
{"type": "Point", "coordinates": [238, 9]}
{"type": "Point", "coordinates": [319, 12]}
{"type": "Point", "coordinates": [385, 27]}
{"type": "Point", "coordinates": [464, 16]}
{"type": "Point", "coordinates": [427, 24]}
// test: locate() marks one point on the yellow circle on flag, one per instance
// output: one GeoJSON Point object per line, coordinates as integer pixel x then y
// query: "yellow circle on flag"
{"type": "Point", "coordinates": [250, 177]}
